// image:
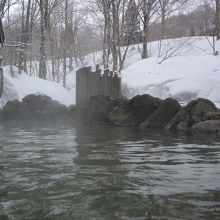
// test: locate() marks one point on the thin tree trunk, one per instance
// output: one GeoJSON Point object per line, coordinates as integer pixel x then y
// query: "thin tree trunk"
{"type": "Point", "coordinates": [69, 39]}
{"type": "Point", "coordinates": [218, 18]}
{"type": "Point", "coordinates": [26, 36]}
{"type": "Point", "coordinates": [145, 40]}
{"type": "Point", "coordinates": [114, 37]}
{"type": "Point", "coordinates": [21, 52]}
{"type": "Point", "coordinates": [42, 63]}
{"type": "Point", "coordinates": [104, 54]}
{"type": "Point", "coordinates": [65, 45]}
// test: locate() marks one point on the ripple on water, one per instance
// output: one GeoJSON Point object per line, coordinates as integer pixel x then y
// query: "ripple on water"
{"type": "Point", "coordinates": [108, 174]}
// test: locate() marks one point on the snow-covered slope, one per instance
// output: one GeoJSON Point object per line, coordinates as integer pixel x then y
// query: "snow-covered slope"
{"type": "Point", "coordinates": [184, 69]}
{"type": "Point", "coordinates": [22, 85]}
{"type": "Point", "coordinates": [191, 72]}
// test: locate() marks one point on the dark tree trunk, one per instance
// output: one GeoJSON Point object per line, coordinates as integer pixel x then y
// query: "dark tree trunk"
{"type": "Point", "coordinates": [218, 18]}
{"type": "Point", "coordinates": [145, 40]}
{"type": "Point", "coordinates": [114, 37]}
{"type": "Point", "coordinates": [42, 63]}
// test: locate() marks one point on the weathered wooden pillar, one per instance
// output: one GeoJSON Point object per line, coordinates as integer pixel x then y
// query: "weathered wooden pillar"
{"type": "Point", "coordinates": [105, 82]}
{"type": "Point", "coordinates": [111, 75]}
{"type": "Point", "coordinates": [1, 72]}
{"type": "Point", "coordinates": [87, 84]}
{"type": "Point", "coordinates": [78, 86]}
{"type": "Point", "coordinates": [114, 85]}
{"type": "Point", "coordinates": [96, 83]}
{"type": "Point", "coordinates": [119, 87]}
{"type": "Point", "coordinates": [90, 83]}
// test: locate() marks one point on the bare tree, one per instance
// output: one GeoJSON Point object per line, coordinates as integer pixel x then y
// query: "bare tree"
{"type": "Point", "coordinates": [25, 34]}
{"type": "Point", "coordinates": [65, 45]}
{"type": "Point", "coordinates": [118, 22]}
{"type": "Point", "coordinates": [166, 9]}
{"type": "Point", "coordinates": [104, 6]}
{"type": "Point", "coordinates": [218, 18]}
{"type": "Point", "coordinates": [43, 4]}
{"type": "Point", "coordinates": [148, 9]}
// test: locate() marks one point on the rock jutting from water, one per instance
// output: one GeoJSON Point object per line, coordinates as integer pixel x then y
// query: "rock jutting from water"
{"type": "Point", "coordinates": [142, 111]}
{"type": "Point", "coordinates": [193, 113]}
{"type": "Point", "coordinates": [145, 111]}
{"type": "Point", "coordinates": [163, 114]}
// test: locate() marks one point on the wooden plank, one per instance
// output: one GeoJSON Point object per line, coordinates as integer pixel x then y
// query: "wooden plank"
{"type": "Point", "coordinates": [1, 81]}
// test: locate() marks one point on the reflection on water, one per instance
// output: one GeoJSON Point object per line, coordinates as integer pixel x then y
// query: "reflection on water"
{"type": "Point", "coordinates": [55, 172]}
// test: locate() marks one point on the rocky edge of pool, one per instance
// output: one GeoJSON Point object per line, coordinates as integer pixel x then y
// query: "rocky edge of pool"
{"type": "Point", "coordinates": [143, 111]}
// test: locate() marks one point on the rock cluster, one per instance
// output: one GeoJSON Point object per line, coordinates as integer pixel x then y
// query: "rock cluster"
{"type": "Point", "coordinates": [142, 111]}
{"type": "Point", "coordinates": [145, 111]}
{"type": "Point", "coordinates": [35, 108]}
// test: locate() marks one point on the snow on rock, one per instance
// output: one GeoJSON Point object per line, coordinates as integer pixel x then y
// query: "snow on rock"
{"type": "Point", "coordinates": [19, 86]}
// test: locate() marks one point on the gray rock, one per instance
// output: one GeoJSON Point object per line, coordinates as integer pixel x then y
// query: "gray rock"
{"type": "Point", "coordinates": [135, 111]}
{"type": "Point", "coordinates": [4, 217]}
{"type": "Point", "coordinates": [212, 115]}
{"type": "Point", "coordinates": [211, 126]}
{"type": "Point", "coordinates": [159, 119]}
{"type": "Point", "coordinates": [34, 107]}
{"type": "Point", "coordinates": [191, 114]}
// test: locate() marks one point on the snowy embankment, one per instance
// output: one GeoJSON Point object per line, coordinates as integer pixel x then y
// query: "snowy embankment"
{"type": "Point", "coordinates": [21, 85]}
{"type": "Point", "coordinates": [189, 71]}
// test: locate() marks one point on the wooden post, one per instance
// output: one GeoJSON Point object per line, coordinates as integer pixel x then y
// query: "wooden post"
{"type": "Point", "coordinates": [118, 86]}
{"type": "Point", "coordinates": [79, 86]}
{"type": "Point", "coordinates": [96, 83]}
{"type": "Point", "coordinates": [110, 84]}
{"type": "Point", "coordinates": [106, 86]}
{"type": "Point", "coordinates": [90, 83]}
{"type": "Point", "coordinates": [114, 85]}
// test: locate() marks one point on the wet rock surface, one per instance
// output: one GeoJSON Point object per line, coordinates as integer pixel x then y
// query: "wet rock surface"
{"type": "Point", "coordinates": [34, 107]}
{"type": "Point", "coordinates": [212, 115]}
{"type": "Point", "coordinates": [142, 111]}
{"type": "Point", "coordinates": [191, 114]}
{"type": "Point", "coordinates": [135, 111]}
{"type": "Point", "coordinates": [166, 111]}
{"type": "Point", "coordinates": [211, 126]}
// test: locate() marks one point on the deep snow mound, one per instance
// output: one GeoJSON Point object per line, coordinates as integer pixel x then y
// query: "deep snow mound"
{"type": "Point", "coordinates": [191, 72]}
{"type": "Point", "coordinates": [19, 86]}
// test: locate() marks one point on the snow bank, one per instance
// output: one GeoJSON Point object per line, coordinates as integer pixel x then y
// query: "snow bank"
{"type": "Point", "coordinates": [192, 72]}
{"type": "Point", "coordinates": [21, 85]}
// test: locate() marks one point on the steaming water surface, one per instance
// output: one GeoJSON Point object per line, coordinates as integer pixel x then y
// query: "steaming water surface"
{"type": "Point", "coordinates": [55, 172]}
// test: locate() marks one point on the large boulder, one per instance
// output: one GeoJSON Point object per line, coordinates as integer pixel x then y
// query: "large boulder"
{"type": "Point", "coordinates": [212, 115]}
{"type": "Point", "coordinates": [211, 126]}
{"type": "Point", "coordinates": [159, 119]}
{"type": "Point", "coordinates": [191, 114]}
{"type": "Point", "coordinates": [135, 111]}
{"type": "Point", "coordinates": [12, 110]}
{"type": "Point", "coordinates": [34, 107]}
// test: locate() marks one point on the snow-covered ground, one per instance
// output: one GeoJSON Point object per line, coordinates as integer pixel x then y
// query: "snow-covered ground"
{"type": "Point", "coordinates": [21, 85]}
{"type": "Point", "coordinates": [189, 71]}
